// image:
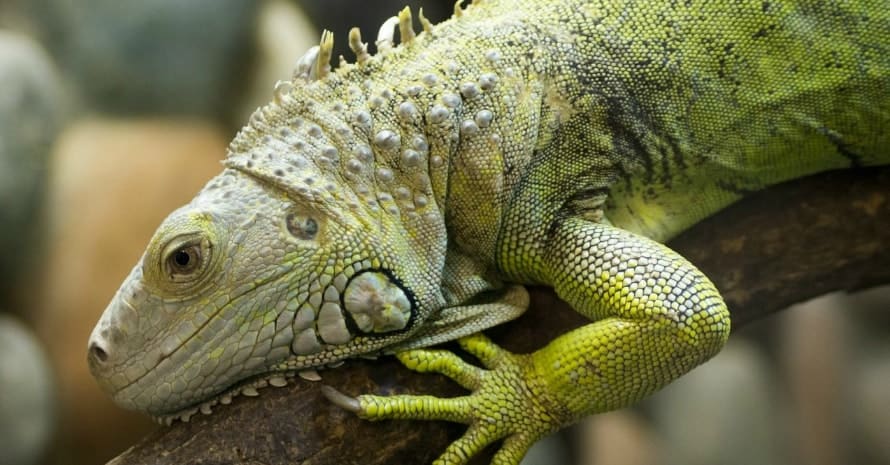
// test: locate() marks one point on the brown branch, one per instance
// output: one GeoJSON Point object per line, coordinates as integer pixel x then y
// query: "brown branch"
{"type": "Point", "coordinates": [783, 245]}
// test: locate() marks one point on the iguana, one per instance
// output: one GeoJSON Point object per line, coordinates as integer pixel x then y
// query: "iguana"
{"type": "Point", "coordinates": [406, 199]}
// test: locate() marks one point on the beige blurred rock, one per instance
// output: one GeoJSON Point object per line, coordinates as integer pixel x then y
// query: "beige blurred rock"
{"type": "Point", "coordinates": [724, 412]}
{"type": "Point", "coordinates": [814, 343]}
{"type": "Point", "coordinates": [112, 182]}
{"type": "Point", "coordinates": [617, 438]}
{"type": "Point", "coordinates": [284, 33]}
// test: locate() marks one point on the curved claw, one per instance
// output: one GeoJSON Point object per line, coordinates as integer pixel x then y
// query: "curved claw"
{"type": "Point", "coordinates": [341, 400]}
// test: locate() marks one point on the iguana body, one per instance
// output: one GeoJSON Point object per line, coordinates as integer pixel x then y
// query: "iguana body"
{"type": "Point", "coordinates": [403, 201]}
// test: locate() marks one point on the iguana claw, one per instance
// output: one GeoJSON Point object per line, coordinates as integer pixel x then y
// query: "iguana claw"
{"type": "Point", "coordinates": [341, 400]}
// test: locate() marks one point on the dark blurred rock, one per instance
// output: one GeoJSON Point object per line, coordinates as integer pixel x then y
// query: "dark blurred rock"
{"type": "Point", "coordinates": [549, 450]}
{"type": "Point", "coordinates": [10, 15]}
{"type": "Point", "coordinates": [151, 57]}
{"type": "Point", "coordinates": [30, 117]}
{"type": "Point", "coordinates": [873, 309]}
{"type": "Point", "coordinates": [870, 411]}
{"type": "Point", "coordinates": [27, 407]}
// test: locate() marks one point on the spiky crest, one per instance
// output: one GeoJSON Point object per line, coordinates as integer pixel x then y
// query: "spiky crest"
{"type": "Point", "coordinates": [427, 25]}
{"type": "Point", "coordinates": [323, 62]}
{"type": "Point", "coordinates": [406, 26]}
{"type": "Point", "coordinates": [359, 48]}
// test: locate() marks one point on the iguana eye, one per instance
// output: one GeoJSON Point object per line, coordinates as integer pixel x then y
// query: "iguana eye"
{"type": "Point", "coordinates": [184, 261]}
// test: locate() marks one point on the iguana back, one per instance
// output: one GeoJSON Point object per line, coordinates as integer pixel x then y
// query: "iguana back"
{"type": "Point", "coordinates": [669, 111]}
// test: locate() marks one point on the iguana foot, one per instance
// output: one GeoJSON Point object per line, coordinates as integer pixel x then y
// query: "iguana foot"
{"type": "Point", "coordinates": [508, 401]}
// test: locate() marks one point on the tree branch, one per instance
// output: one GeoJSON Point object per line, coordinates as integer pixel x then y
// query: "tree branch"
{"type": "Point", "coordinates": [781, 246]}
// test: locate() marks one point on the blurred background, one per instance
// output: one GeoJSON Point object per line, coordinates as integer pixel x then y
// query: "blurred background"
{"type": "Point", "coordinates": [115, 112]}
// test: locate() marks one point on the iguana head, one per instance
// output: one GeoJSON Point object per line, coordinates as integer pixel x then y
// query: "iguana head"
{"type": "Point", "coordinates": [245, 281]}
{"type": "Point", "coordinates": [322, 239]}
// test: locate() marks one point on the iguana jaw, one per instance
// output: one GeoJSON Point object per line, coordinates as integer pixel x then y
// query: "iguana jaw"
{"type": "Point", "coordinates": [249, 387]}
{"type": "Point", "coordinates": [146, 393]}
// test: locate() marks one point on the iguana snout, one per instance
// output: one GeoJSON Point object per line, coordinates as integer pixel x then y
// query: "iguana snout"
{"type": "Point", "coordinates": [208, 279]}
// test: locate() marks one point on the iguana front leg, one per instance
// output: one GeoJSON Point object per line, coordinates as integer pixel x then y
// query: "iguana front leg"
{"type": "Point", "coordinates": [655, 317]}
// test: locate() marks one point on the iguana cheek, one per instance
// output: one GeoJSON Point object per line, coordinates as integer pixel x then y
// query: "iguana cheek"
{"type": "Point", "coordinates": [369, 303]}
{"type": "Point", "coordinates": [319, 319]}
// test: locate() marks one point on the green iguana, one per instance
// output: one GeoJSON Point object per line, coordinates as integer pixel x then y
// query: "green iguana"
{"type": "Point", "coordinates": [405, 199]}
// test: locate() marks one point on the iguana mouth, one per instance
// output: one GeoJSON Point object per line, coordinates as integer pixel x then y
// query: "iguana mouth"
{"type": "Point", "coordinates": [249, 387]}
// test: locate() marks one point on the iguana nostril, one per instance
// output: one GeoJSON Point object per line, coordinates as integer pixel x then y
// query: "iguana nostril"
{"type": "Point", "coordinates": [97, 353]}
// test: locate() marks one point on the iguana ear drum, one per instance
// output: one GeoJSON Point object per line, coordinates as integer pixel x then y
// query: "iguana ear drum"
{"type": "Point", "coordinates": [301, 226]}
{"type": "Point", "coordinates": [377, 302]}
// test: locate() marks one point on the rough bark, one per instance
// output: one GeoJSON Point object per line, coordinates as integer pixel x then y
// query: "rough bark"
{"type": "Point", "coordinates": [781, 246]}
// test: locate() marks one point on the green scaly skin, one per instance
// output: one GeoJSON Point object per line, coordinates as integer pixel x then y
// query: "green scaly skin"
{"type": "Point", "coordinates": [405, 200]}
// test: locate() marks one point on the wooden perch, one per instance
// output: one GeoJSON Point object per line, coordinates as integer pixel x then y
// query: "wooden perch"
{"type": "Point", "coordinates": [781, 246]}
